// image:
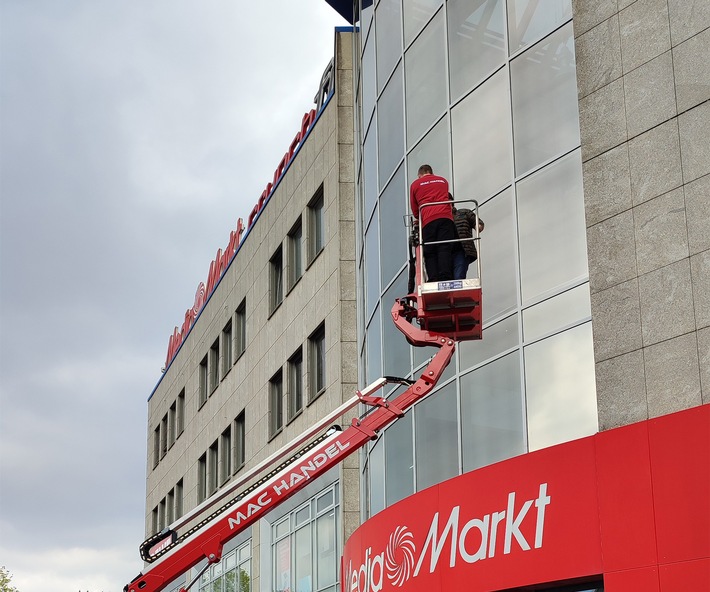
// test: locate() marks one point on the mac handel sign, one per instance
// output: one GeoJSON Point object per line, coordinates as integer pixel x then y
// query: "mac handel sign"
{"type": "Point", "coordinates": [529, 519]}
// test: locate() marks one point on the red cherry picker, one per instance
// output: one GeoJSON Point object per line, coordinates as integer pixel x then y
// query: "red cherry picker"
{"type": "Point", "coordinates": [435, 314]}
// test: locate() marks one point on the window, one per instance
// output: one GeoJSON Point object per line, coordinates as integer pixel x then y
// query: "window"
{"type": "Point", "coordinates": [317, 225]}
{"type": "Point", "coordinates": [239, 441]}
{"type": "Point", "coordinates": [202, 479]}
{"type": "Point", "coordinates": [241, 328]}
{"type": "Point", "coordinates": [212, 464]}
{"type": "Point", "coordinates": [225, 455]}
{"type": "Point", "coordinates": [316, 343]}
{"type": "Point", "coordinates": [275, 404]}
{"type": "Point", "coordinates": [171, 423]}
{"type": "Point", "coordinates": [154, 526]}
{"type": "Point", "coordinates": [178, 500]}
{"type": "Point", "coordinates": [231, 574]}
{"type": "Point", "coordinates": [203, 381]}
{"type": "Point", "coordinates": [226, 348]}
{"type": "Point", "coordinates": [170, 508]}
{"type": "Point", "coordinates": [164, 436]}
{"type": "Point", "coordinates": [156, 446]}
{"type": "Point", "coordinates": [161, 515]}
{"type": "Point", "coordinates": [180, 414]}
{"type": "Point", "coordinates": [304, 545]}
{"type": "Point", "coordinates": [276, 272]}
{"type": "Point", "coordinates": [295, 384]}
{"type": "Point", "coordinates": [214, 366]}
{"type": "Point", "coordinates": [295, 254]}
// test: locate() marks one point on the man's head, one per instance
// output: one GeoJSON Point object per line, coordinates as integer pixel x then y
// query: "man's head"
{"type": "Point", "coordinates": [425, 169]}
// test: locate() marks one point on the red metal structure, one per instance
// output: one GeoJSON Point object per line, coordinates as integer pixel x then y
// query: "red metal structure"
{"type": "Point", "coordinates": [434, 315]}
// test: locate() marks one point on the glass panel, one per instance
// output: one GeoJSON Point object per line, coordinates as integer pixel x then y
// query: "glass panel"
{"type": "Point", "coordinates": [561, 389]}
{"type": "Point", "coordinates": [302, 515]}
{"type": "Point", "coordinates": [374, 353]}
{"type": "Point", "coordinates": [476, 42]}
{"type": "Point", "coordinates": [282, 528]}
{"type": "Point", "coordinates": [416, 13]}
{"type": "Point", "coordinates": [303, 567]}
{"type": "Point", "coordinates": [282, 566]}
{"type": "Point", "coordinates": [531, 19]}
{"type": "Point", "coordinates": [425, 79]}
{"type": "Point", "coordinates": [553, 244]}
{"type": "Point", "coordinates": [393, 233]}
{"type": "Point", "coordinates": [390, 127]}
{"type": "Point", "coordinates": [369, 80]}
{"type": "Point", "coordinates": [492, 413]}
{"type": "Point", "coordinates": [230, 581]}
{"type": "Point", "coordinates": [370, 172]}
{"type": "Point", "coordinates": [395, 353]}
{"type": "Point", "coordinates": [496, 338]}
{"type": "Point", "coordinates": [366, 14]}
{"type": "Point", "coordinates": [377, 478]}
{"type": "Point", "coordinates": [324, 501]}
{"type": "Point", "coordinates": [437, 438]}
{"type": "Point", "coordinates": [433, 150]}
{"type": "Point", "coordinates": [217, 584]}
{"type": "Point", "coordinates": [557, 312]}
{"type": "Point", "coordinates": [399, 456]}
{"type": "Point", "coordinates": [498, 269]}
{"type": "Point", "coordinates": [388, 29]}
{"type": "Point", "coordinates": [326, 557]}
{"type": "Point", "coordinates": [245, 577]}
{"type": "Point", "coordinates": [481, 140]}
{"type": "Point", "coordinates": [372, 265]}
{"type": "Point", "coordinates": [544, 91]}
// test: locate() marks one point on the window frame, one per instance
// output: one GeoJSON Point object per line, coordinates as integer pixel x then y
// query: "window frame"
{"type": "Point", "coordinates": [240, 329]}
{"type": "Point", "coordinates": [317, 382]}
{"type": "Point", "coordinates": [316, 225]}
{"type": "Point", "coordinates": [295, 254]}
{"type": "Point", "coordinates": [276, 280]}
{"type": "Point", "coordinates": [295, 385]}
{"type": "Point", "coordinates": [275, 416]}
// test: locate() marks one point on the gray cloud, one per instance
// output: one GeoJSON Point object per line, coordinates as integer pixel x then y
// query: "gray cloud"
{"type": "Point", "coordinates": [134, 134]}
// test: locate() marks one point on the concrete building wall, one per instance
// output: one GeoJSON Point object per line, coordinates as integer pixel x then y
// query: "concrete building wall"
{"type": "Point", "coordinates": [325, 292]}
{"type": "Point", "coordinates": [643, 78]}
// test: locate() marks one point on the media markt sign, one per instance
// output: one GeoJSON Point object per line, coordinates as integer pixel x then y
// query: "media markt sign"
{"type": "Point", "coordinates": [474, 532]}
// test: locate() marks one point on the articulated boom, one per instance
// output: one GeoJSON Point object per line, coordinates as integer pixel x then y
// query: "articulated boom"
{"type": "Point", "coordinates": [174, 557]}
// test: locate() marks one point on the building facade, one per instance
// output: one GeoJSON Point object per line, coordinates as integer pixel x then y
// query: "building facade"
{"type": "Point", "coordinates": [580, 421]}
{"type": "Point", "coordinates": [268, 349]}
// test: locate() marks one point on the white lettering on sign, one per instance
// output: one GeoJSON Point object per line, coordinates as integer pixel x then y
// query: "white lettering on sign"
{"type": "Point", "coordinates": [475, 540]}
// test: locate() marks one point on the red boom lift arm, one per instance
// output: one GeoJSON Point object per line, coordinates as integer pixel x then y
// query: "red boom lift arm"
{"type": "Point", "coordinates": [435, 315]}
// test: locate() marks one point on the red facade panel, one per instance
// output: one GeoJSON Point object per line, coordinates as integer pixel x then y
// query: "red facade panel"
{"type": "Point", "coordinates": [626, 521]}
{"type": "Point", "coordinates": [680, 462]}
{"type": "Point", "coordinates": [630, 504]}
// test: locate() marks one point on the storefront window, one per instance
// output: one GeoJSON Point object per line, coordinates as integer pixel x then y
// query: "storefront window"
{"type": "Point", "coordinates": [492, 413]}
{"type": "Point", "coordinates": [390, 127]}
{"type": "Point", "coordinates": [476, 42]}
{"type": "Point", "coordinates": [553, 245]}
{"type": "Point", "coordinates": [481, 140]}
{"type": "Point", "coordinates": [399, 458]}
{"type": "Point", "coordinates": [529, 20]}
{"type": "Point", "coordinates": [544, 92]}
{"type": "Point", "coordinates": [305, 550]}
{"type": "Point", "coordinates": [561, 388]}
{"type": "Point", "coordinates": [437, 457]}
{"type": "Point", "coordinates": [232, 574]}
{"type": "Point", "coordinates": [425, 79]}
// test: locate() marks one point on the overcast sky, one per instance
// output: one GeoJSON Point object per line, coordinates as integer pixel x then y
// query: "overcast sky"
{"type": "Point", "coordinates": [133, 134]}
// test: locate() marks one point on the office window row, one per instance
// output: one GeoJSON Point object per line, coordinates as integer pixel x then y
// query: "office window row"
{"type": "Point", "coordinates": [225, 457]}
{"type": "Point", "coordinates": [169, 509]}
{"type": "Point", "coordinates": [231, 574]}
{"type": "Point", "coordinates": [169, 428]}
{"type": "Point", "coordinates": [226, 349]}
{"type": "Point", "coordinates": [288, 268]}
{"type": "Point", "coordinates": [297, 381]}
{"type": "Point", "coordinates": [305, 550]}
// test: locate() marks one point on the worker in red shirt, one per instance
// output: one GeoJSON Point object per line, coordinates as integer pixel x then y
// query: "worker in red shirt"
{"type": "Point", "coordinates": [437, 223]}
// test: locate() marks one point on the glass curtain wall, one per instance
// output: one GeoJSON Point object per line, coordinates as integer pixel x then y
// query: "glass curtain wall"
{"type": "Point", "coordinates": [485, 92]}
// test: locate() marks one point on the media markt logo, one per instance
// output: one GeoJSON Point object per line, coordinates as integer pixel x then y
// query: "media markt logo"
{"type": "Point", "coordinates": [399, 556]}
{"type": "Point", "coordinates": [468, 540]}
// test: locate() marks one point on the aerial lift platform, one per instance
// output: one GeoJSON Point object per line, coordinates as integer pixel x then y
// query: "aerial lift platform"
{"type": "Point", "coordinates": [437, 314]}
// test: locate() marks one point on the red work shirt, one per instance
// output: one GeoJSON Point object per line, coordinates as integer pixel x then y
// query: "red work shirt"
{"type": "Point", "coordinates": [428, 189]}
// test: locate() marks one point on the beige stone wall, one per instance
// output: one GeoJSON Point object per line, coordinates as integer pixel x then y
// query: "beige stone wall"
{"type": "Point", "coordinates": [325, 292]}
{"type": "Point", "coordinates": [643, 71]}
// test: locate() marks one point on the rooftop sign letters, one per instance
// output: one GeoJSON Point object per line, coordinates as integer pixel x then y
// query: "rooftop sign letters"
{"type": "Point", "coordinates": [223, 258]}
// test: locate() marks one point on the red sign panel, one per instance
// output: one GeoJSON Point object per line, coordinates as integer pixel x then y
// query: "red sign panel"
{"type": "Point", "coordinates": [486, 529]}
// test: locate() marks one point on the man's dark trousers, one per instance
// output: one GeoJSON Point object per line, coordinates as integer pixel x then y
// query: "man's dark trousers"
{"type": "Point", "coordinates": [439, 257]}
